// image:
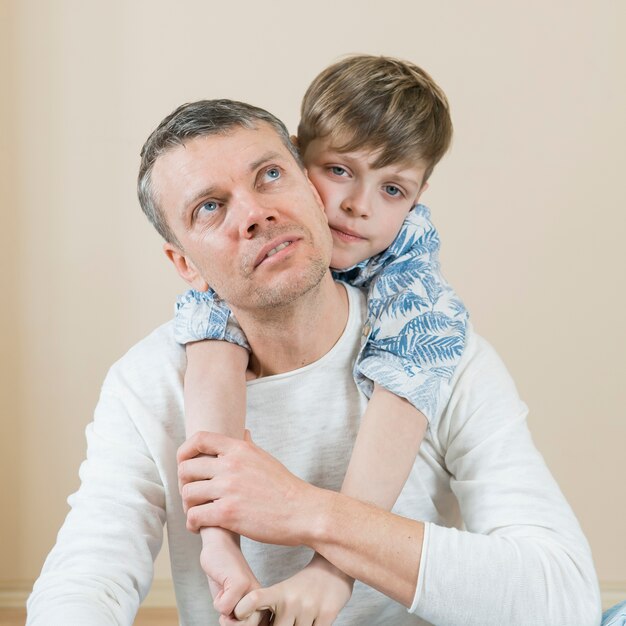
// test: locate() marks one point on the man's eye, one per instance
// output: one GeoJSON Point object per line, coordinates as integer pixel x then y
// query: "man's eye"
{"type": "Point", "coordinates": [392, 190]}
{"type": "Point", "coordinates": [338, 170]}
{"type": "Point", "coordinates": [209, 206]}
{"type": "Point", "coordinates": [273, 173]}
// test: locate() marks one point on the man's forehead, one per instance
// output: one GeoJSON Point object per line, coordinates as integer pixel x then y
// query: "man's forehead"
{"type": "Point", "coordinates": [248, 144]}
{"type": "Point", "coordinates": [204, 163]}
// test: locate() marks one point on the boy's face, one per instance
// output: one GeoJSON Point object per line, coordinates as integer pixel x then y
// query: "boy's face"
{"type": "Point", "coordinates": [365, 206]}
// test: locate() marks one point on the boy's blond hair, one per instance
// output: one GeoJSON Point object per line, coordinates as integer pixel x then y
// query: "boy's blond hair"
{"type": "Point", "coordinates": [378, 103]}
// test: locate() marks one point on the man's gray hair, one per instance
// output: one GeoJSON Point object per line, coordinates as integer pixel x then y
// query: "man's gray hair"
{"type": "Point", "coordinates": [196, 119]}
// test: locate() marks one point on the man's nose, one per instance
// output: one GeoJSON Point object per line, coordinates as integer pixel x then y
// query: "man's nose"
{"type": "Point", "coordinates": [255, 215]}
{"type": "Point", "coordinates": [357, 203]}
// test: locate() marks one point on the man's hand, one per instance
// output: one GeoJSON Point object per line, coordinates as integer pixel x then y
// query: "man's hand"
{"type": "Point", "coordinates": [234, 484]}
{"type": "Point", "coordinates": [315, 595]}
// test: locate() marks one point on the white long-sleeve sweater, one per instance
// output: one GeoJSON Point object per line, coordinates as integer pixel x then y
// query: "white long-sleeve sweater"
{"type": "Point", "coordinates": [501, 546]}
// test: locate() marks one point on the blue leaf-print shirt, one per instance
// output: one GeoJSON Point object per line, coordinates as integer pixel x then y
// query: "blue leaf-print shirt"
{"type": "Point", "coordinates": [415, 333]}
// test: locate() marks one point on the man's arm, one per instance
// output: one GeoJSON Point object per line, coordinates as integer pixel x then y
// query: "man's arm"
{"type": "Point", "coordinates": [101, 566]}
{"type": "Point", "coordinates": [521, 559]}
{"type": "Point", "coordinates": [253, 494]}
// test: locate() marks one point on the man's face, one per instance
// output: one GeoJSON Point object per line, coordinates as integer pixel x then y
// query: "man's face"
{"type": "Point", "coordinates": [250, 223]}
{"type": "Point", "coordinates": [365, 205]}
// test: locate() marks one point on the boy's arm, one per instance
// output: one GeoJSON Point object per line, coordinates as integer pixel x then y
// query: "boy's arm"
{"type": "Point", "coordinates": [215, 401]}
{"type": "Point", "coordinates": [215, 388]}
{"type": "Point", "coordinates": [388, 440]}
{"type": "Point", "coordinates": [366, 542]}
{"type": "Point", "coordinates": [387, 443]}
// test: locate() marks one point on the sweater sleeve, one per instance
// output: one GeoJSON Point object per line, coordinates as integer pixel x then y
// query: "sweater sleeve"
{"type": "Point", "coordinates": [521, 558]}
{"type": "Point", "coordinates": [102, 564]}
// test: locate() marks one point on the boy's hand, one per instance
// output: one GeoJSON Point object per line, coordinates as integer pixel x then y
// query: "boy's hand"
{"type": "Point", "coordinates": [229, 575]}
{"type": "Point", "coordinates": [315, 595]}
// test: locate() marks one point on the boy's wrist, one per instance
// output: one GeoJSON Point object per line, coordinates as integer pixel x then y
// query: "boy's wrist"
{"type": "Point", "coordinates": [319, 563]}
{"type": "Point", "coordinates": [215, 534]}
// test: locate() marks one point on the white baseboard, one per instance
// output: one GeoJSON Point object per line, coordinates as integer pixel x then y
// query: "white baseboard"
{"type": "Point", "coordinates": [13, 594]}
{"type": "Point", "coordinates": [161, 595]}
{"type": "Point", "coordinates": [612, 593]}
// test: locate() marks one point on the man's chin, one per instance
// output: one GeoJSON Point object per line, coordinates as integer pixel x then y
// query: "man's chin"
{"type": "Point", "coordinates": [287, 288]}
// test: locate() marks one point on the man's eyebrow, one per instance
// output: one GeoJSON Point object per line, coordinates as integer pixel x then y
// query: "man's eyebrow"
{"type": "Point", "coordinates": [268, 156]}
{"type": "Point", "coordinates": [191, 200]}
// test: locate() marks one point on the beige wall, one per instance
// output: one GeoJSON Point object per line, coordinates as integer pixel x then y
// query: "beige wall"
{"type": "Point", "coordinates": [530, 205]}
{"type": "Point", "coordinates": [10, 415]}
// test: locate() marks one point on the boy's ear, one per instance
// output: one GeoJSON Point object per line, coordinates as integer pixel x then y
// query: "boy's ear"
{"type": "Point", "coordinates": [185, 267]}
{"type": "Point", "coordinates": [294, 141]}
{"type": "Point", "coordinates": [423, 188]}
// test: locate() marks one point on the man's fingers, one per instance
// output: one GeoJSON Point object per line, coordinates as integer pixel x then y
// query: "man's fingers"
{"type": "Point", "coordinates": [200, 468]}
{"type": "Point", "coordinates": [204, 443]}
{"type": "Point", "coordinates": [203, 515]}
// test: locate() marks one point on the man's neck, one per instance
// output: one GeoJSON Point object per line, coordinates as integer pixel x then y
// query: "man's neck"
{"type": "Point", "coordinates": [286, 338]}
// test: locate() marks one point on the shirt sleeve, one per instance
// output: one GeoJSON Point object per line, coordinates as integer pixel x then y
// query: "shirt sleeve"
{"type": "Point", "coordinates": [416, 324]}
{"type": "Point", "coordinates": [521, 557]}
{"type": "Point", "coordinates": [101, 567]}
{"type": "Point", "coordinates": [203, 315]}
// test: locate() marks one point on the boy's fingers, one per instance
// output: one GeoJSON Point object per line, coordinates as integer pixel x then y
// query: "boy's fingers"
{"type": "Point", "coordinates": [257, 600]}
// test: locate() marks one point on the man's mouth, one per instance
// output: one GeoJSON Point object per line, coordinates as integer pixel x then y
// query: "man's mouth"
{"type": "Point", "coordinates": [274, 247]}
{"type": "Point", "coordinates": [278, 248]}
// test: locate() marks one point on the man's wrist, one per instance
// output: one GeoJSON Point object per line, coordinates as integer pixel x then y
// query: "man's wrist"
{"type": "Point", "coordinates": [323, 531]}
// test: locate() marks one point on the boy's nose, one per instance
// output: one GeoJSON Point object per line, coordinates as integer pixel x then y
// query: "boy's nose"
{"type": "Point", "coordinates": [356, 205]}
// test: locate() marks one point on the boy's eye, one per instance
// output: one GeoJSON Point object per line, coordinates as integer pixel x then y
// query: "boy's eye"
{"type": "Point", "coordinates": [392, 190]}
{"type": "Point", "coordinates": [338, 170]}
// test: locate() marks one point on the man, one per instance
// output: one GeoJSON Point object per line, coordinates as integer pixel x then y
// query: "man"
{"type": "Point", "coordinates": [208, 182]}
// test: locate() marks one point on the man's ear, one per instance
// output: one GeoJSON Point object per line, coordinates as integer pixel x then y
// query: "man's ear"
{"type": "Point", "coordinates": [185, 267]}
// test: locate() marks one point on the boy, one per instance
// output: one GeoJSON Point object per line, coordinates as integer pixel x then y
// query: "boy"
{"type": "Point", "coordinates": [371, 132]}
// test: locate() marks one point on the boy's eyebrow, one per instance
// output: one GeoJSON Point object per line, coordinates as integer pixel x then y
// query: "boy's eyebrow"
{"type": "Point", "coordinates": [408, 180]}
{"type": "Point", "coordinates": [398, 175]}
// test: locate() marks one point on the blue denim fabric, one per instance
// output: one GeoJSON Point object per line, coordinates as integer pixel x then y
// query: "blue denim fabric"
{"type": "Point", "coordinates": [415, 333]}
{"type": "Point", "coordinates": [615, 616]}
{"type": "Point", "coordinates": [203, 315]}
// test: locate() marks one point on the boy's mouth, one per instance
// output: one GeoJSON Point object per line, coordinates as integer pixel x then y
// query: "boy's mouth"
{"type": "Point", "coordinates": [345, 234]}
